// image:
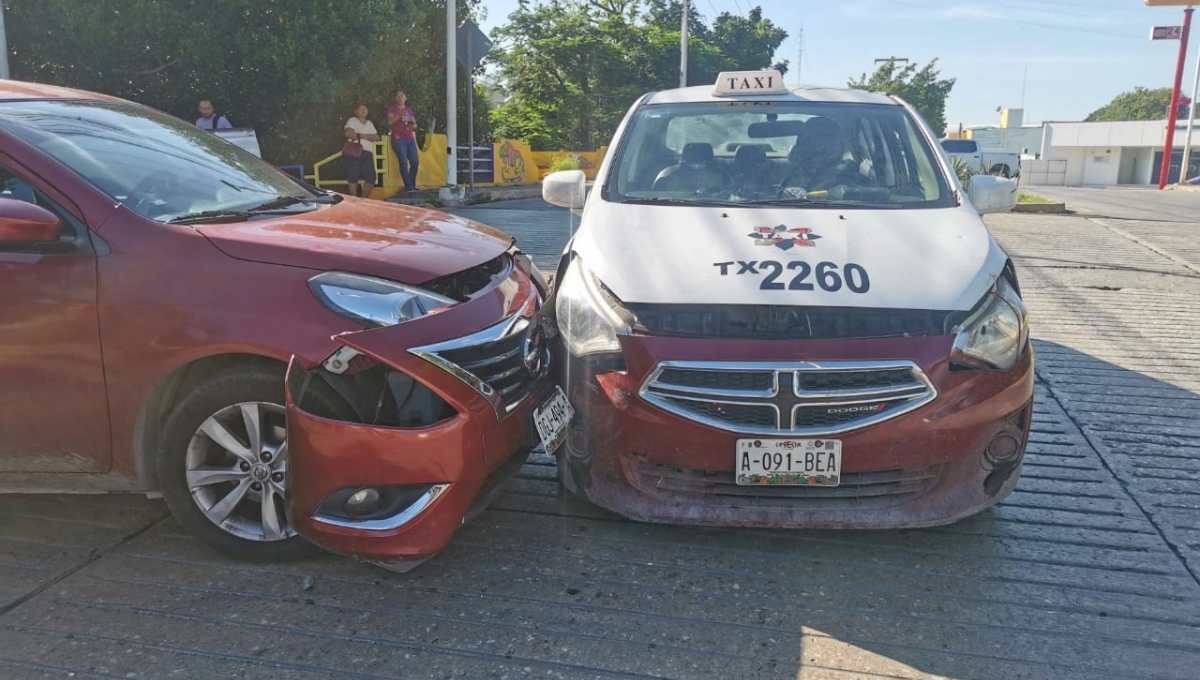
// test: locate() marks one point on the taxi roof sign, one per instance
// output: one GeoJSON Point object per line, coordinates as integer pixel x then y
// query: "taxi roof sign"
{"type": "Point", "coordinates": [731, 83]}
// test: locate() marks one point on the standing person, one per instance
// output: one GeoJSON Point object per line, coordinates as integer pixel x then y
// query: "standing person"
{"type": "Point", "coordinates": [209, 120]}
{"type": "Point", "coordinates": [360, 172]}
{"type": "Point", "coordinates": [404, 139]}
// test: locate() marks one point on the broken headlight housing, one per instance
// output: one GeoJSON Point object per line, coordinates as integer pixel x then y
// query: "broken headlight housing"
{"type": "Point", "coordinates": [589, 317]}
{"type": "Point", "coordinates": [996, 334]}
{"type": "Point", "coordinates": [372, 301]}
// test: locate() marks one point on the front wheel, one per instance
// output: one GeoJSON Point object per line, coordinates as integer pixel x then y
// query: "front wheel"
{"type": "Point", "coordinates": [223, 460]}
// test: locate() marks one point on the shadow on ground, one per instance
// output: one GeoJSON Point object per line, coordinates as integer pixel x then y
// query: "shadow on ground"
{"type": "Point", "coordinates": [1068, 578]}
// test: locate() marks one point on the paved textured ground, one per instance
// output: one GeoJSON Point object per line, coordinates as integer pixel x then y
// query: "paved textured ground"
{"type": "Point", "coordinates": [1082, 573]}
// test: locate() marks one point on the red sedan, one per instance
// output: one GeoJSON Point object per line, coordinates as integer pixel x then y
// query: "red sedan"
{"type": "Point", "coordinates": [157, 283]}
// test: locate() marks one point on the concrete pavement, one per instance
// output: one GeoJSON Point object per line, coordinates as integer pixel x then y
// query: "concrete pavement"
{"type": "Point", "coordinates": [1091, 569]}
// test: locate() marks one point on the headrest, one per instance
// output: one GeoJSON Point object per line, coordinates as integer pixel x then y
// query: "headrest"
{"type": "Point", "coordinates": [750, 154]}
{"type": "Point", "coordinates": [697, 152]}
{"type": "Point", "coordinates": [820, 126]}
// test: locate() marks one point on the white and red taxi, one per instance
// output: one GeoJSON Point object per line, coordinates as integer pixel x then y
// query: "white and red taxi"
{"type": "Point", "coordinates": [781, 309]}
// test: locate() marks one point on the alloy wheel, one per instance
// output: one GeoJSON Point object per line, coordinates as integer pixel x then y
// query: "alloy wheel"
{"type": "Point", "coordinates": [236, 469]}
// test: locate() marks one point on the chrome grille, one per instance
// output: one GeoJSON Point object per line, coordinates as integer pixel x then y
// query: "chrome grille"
{"type": "Point", "coordinates": [496, 361]}
{"type": "Point", "coordinates": [800, 399]}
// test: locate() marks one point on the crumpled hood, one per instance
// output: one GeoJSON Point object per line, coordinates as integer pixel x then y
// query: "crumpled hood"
{"type": "Point", "coordinates": [391, 241]}
{"type": "Point", "coordinates": [939, 259]}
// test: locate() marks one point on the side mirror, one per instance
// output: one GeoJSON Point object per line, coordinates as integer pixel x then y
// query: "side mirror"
{"type": "Point", "coordinates": [565, 189]}
{"type": "Point", "coordinates": [22, 222]}
{"type": "Point", "coordinates": [992, 194]}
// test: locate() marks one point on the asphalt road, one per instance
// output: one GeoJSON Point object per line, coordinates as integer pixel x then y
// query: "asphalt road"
{"type": "Point", "coordinates": [1091, 569]}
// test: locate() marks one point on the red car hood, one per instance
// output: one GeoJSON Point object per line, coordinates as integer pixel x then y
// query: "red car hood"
{"type": "Point", "coordinates": [401, 243]}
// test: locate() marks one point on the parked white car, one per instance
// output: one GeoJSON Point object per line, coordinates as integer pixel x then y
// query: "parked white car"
{"type": "Point", "coordinates": [985, 162]}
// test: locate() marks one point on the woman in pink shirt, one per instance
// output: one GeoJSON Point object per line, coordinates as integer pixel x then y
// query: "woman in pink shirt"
{"type": "Point", "coordinates": [404, 139]}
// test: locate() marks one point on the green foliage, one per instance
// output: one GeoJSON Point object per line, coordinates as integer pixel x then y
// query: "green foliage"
{"type": "Point", "coordinates": [292, 69]}
{"type": "Point", "coordinates": [1140, 104]}
{"type": "Point", "coordinates": [962, 170]}
{"type": "Point", "coordinates": [573, 67]}
{"type": "Point", "coordinates": [565, 162]}
{"type": "Point", "coordinates": [920, 87]}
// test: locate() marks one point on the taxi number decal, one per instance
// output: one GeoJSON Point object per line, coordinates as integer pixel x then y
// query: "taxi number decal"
{"type": "Point", "coordinates": [827, 275]}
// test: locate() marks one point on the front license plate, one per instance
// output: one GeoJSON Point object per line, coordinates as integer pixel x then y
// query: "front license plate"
{"type": "Point", "coordinates": [789, 462]}
{"type": "Point", "coordinates": [551, 418]}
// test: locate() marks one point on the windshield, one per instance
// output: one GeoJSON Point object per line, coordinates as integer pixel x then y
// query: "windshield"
{"type": "Point", "coordinates": [767, 153]}
{"type": "Point", "coordinates": [958, 145]}
{"type": "Point", "coordinates": [159, 166]}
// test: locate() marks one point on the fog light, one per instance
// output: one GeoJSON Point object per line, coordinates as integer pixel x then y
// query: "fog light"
{"type": "Point", "coordinates": [1003, 448]}
{"type": "Point", "coordinates": [363, 502]}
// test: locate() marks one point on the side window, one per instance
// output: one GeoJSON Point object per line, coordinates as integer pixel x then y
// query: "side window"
{"type": "Point", "coordinates": [14, 187]}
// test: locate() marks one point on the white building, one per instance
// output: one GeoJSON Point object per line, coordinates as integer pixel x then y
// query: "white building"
{"type": "Point", "coordinates": [1107, 154]}
{"type": "Point", "coordinates": [1088, 154]}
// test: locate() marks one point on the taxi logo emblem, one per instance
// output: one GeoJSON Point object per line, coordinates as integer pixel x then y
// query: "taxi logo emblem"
{"type": "Point", "coordinates": [783, 238]}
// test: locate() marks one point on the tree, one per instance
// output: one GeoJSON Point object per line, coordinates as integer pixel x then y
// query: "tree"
{"type": "Point", "coordinates": [292, 69]}
{"type": "Point", "coordinates": [1140, 104]}
{"type": "Point", "coordinates": [573, 67]}
{"type": "Point", "coordinates": [920, 87]}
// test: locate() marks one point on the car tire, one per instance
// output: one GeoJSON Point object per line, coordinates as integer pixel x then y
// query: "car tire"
{"type": "Point", "coordinates": [214, 483]}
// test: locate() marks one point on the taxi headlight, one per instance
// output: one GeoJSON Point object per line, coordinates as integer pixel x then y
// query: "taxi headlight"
{"type": "Point", "coordinates": [996, 335]}
{"type": "Point", "coordinates": [374, 302]}
{"type": "Point", "coordinates": [587, 317]}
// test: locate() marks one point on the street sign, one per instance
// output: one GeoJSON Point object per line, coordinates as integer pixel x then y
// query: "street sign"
{"type": "Point", "coordinates": [472, 45]}
{"type": "Point", "coordinates": [1166, 33]}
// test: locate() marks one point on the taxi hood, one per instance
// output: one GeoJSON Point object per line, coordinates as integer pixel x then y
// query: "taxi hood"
{"type": "Point", "coordinates": [395, 242]}
{"type": "Point", "coordinates": [936, 259]}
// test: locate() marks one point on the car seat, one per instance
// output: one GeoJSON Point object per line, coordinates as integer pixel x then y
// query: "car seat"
{"type": "Point", "coordinates": [753, 168]}
{"type": "Point", "coordinates": [695, 172]}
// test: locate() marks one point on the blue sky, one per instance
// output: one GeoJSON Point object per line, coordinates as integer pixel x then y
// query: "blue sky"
{"type": "Point", "coordinates": [1080, 53]}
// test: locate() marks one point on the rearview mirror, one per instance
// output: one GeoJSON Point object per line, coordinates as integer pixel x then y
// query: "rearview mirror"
{"type": "Point", "coordinates": [775, 128]}
{"type": "Point", "coordinates": [22, 222]}
{"type": "Point", "coordinates": [991, 194]}
{"type": "Point", "coordinates": [565, 189]}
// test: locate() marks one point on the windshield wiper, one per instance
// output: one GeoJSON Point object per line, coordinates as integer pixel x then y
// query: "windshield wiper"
{"type": "Point", "coordinates": [211, 216]}
{"type": "Point", "coordinates": [281, 202]}
{"type": "Point", "coordinates": [671, 201]}
{"type": "Point", "coordinates": [818, 201]}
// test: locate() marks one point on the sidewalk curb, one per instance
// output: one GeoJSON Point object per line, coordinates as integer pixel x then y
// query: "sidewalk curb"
{"type": "Point", "coordinates": [1042, 208]}
{"type": "Point", "coordinates": [480, 195]}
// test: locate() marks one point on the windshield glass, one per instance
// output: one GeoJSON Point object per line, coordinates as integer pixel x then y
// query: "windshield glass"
{"type": "Point", "coordinates": [958, 145]}
{"type": "Point", "coordinates": [771, 152]}
{"type": "Point", "coordinates": [159, 166]}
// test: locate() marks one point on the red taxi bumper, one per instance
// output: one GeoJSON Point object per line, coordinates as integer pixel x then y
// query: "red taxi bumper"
{"type": "Point", "coordinates": [952, 457]}
{"type": "Point", "coordinates": [421, 478]}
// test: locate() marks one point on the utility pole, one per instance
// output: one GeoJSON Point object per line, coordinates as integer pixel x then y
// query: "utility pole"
{"type": "Point", "coordinates": [4, 72]}
{"type": "Point", "coordinates": [800, 54]}
{"type": "Point", "coordinates": [1024, 82]}
{"type": "Point", "coordinates": [1191, 126]}
{"type": "Point", "coordinates": [683, 45]}
{"type": "Point", "coordinates": [451, 95]}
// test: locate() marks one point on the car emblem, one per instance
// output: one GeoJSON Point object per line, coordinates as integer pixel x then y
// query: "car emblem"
{"type": "Point", "coordinates": [533, 351]}
{"type": "Point", "coordinates": [783, 238]}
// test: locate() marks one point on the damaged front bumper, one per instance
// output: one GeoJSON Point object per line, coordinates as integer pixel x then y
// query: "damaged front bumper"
{"type": "Point", "coordinates": [406, 431]}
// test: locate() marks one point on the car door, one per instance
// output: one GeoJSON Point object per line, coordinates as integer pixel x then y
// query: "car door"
{"type": "Point", "coordinates": [53, 402]}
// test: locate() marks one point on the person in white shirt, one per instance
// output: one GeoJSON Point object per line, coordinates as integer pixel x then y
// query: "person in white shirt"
{"type": "Point", "coordinates": [360, 172]}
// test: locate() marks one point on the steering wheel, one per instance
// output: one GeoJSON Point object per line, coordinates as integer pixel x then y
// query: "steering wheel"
{"type": "Point", "coordinates": [149, 195]}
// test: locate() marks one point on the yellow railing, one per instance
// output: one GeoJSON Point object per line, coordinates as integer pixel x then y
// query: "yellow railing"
{"type": "Point", "coordinates": [514, 164]}
{"type": "Point", "coordinates": [431, 168]}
